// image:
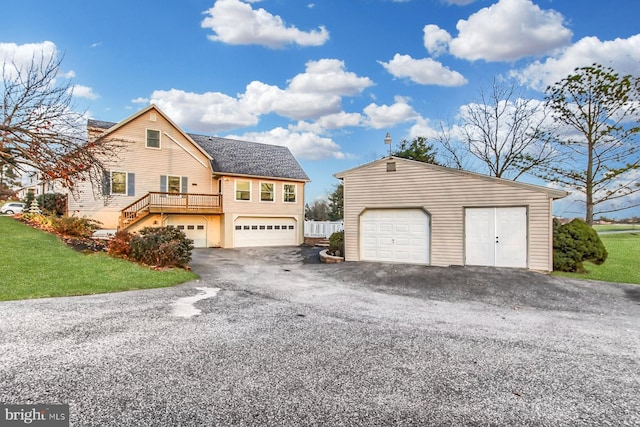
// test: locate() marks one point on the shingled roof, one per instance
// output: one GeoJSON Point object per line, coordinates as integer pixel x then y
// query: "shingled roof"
{"type": "Point", "coordinates": [234, 157]}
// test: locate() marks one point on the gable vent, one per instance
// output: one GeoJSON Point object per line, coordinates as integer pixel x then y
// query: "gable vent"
{"type": "Point", "coordinates": [153, 117]}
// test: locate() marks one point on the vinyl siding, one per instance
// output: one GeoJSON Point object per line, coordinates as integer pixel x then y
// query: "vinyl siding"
{"type": "Point", "coordinates": [148, 165]}
{"type": "Point", "coordinates": [256, 208]}
{"type": "Point", "coordinates": [444, 194]}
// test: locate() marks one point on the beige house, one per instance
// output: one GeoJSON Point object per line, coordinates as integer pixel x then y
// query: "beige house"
{"type": "Point", "coordinates": [221, 192]}
{"type": "Point", "coordinates": [398, 210]}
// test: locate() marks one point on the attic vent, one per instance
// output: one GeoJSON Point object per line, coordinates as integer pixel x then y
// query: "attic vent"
{"type": "Point", "coordinates": [152, 117]}
{"type": "Point", "coordinates": [391, 166]}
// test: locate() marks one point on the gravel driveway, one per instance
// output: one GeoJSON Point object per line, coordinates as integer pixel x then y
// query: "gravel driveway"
{"type": "Point", "coordinates": [270, 337]}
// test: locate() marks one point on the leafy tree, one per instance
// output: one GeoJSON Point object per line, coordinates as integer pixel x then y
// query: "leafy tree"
{"type": "Point", "coordinates": [598, 150]}
{"type": "Point", "coordinates": [29, 197]}
{"type": "Point", "coordinates": [9, 178]}
{"type": "Point", "coordinates": [417, 149]}
{"type": "Point", "coordinates": [39, 129]}
{"type": "Point", "coordinates": [318, 211]}
{"type": "Point", "coordinates": [53, 203]}
{"type": "Point", "coordinates": [336, 203]}
{"type": "Point", "coordinates": [505, 131]}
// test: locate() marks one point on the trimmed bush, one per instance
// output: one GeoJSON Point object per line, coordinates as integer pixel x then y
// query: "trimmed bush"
{"type": "Point", "coordinates": [74, 226]}
{"type": "Point", "coordinates": [119, 245]}
{"type": "Point", "coordinates": [336, 243]}
{"type": "Point", "coordinates": [574, 243]}
{"type": "Point", "coordinates": [161, 247]}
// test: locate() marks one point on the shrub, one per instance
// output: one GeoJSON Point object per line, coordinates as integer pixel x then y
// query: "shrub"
{"type": "Point", "coordinates": [119, 245]}
{"type": "Point", "coordinates": [574, 243]}
{"type": "Point", "coordinates": [74, 226]}
{"type": "Point", "coordinates": [336, 243]}
{"type": "Point", "coordinates": [43, 222]}
{"type": "Point", "coordinates": [161, 247]}
{"type": "Point", "coordinates": [53, 203]}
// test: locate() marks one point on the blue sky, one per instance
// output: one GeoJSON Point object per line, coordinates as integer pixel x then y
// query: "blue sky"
{"type": "Point", "coordinates": [327, 78]}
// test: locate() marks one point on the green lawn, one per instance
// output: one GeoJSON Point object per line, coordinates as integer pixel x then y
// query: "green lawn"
{"type": "Point", "coordinates": [35, 264]}
{"type": "Point", "coordinates": [616, 227]}
{"type": "Point", "coordinates": [623, 263]}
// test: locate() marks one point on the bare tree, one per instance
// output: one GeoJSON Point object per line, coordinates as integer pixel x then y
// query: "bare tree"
{"type": "Point", "coordinates": [453, 154]}
{"type": "Point", "coordinates": [39, 129]}
{"type": "Point", "coordinates": [598, 152]}
{"type": "Point", "coordinates": [506, 132]}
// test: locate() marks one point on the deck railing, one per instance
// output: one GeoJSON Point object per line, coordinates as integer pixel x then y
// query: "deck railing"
{"type": "Point", "coordinates": [164, 202]}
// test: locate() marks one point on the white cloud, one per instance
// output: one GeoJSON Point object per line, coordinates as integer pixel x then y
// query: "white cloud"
{"type": "Point", "coordinates": [387, 116]}
{"type": "Point", "coordinates": [315, 93]}
{"type": "Point", "coordinates": [330, 122]}
{"type": "Point", "coordinates": [81, 91]}
{"type": "Point", "coordinates": [303, 145]}
{"type": "Point", "coordinates": [236, 22]}
{"type": "Point", "coordinates": [14, 57]}
{"type": "Point", "coordinates": [621, 54]}
{"type": "Point", "coordinates": [507, 31]}
{"type": "Point", "coordinates": [261, 98]}
{"type": "Point", "coordinates": [423, 71]}
{"type": "Point", "coordinates": [436, 40]}
{"type": "Point", "coordinates": [328, 76]}
{"type": "Point", "coordinates": [206, 112]}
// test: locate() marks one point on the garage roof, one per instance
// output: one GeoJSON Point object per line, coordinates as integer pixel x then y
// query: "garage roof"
{"type": "Point", "coordinates": [553, 193]}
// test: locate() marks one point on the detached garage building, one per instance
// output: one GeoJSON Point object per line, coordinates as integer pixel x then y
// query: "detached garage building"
{"type": "Point", "coordinates": [399, 210]}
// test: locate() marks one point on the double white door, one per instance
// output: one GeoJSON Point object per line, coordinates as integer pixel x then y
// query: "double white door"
{"type": "Point", "coordinates": [496, 237]}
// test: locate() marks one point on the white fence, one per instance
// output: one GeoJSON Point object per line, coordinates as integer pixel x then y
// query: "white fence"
{"type": "Point", "coordinates": [322, 228]}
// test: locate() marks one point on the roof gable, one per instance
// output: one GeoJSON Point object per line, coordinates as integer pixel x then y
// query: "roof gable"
{"type": "Point", "coordinates": [228, 156]}
{"type": "Point", "coordinates": [556, 194]}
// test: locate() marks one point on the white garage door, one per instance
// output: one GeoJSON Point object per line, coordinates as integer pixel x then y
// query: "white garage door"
{"type": "Point", "coordinates": [194, 228]}
{"type": "Point", "coordinates": [496, 237]}
{"type": "Point", "coordinates": [259, 231]}
{"type": "Point", "coordinates": [395, 235]}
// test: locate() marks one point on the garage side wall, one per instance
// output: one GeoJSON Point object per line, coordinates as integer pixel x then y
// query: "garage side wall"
{"type": "Point", "coordinates": [444, 194]}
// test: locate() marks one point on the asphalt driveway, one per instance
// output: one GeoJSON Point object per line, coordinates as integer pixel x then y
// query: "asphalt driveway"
{"type": "Point", "coordinates": [271, 337]}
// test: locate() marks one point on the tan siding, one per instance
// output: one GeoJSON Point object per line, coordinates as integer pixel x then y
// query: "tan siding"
{"type": "Point", "coordinates": [148, 165]}
{"type": "Point", "coordinates": [444, 195]}
{"type": "Point", "coordinates": [277, 208]}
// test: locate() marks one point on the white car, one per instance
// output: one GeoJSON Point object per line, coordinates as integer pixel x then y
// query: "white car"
{"type": "Point", "coordinates": [11, 208]}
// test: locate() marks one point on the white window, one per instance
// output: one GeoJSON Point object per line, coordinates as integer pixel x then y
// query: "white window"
{"type": "Point", "coordinates": [289, 193]}
{"type": "Point", "coordinates": [153, 138]}
{"type": "Point", "coordinates": [267, 192]}
{"type": "Point", "coordinates": [243, 190]}
{"type": "Point", "coordinates": [118, 183]}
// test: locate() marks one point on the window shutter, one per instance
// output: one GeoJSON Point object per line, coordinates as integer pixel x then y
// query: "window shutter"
{"type": "Point", "coordinates": [131, 184]}
{"type": "Point", "coordinates": [106, 183]}
{"type": "Point", "coordinates": [185, 188]}
{"type": "Point", "coordinates": [163, 183]}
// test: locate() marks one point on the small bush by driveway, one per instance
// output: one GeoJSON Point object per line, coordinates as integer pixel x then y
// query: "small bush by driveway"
{"type": "Point", "coordinates": [269, 337]}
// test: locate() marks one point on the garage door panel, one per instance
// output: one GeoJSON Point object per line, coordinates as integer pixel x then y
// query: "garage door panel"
{"type": "Point", "coordinates": [395, 235]}
{"type": "Point", "coordinates": [194, 228]}
{"type": "Point", "coordinates": [262, 231]}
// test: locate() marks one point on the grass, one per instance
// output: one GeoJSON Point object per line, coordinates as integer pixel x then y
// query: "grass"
{"type": "Point", "coordinates": [617, 227]}
{"type": "Point", "coordinates": [622, 265]}
{"type": "Point", "coordinates": [35, 264]}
